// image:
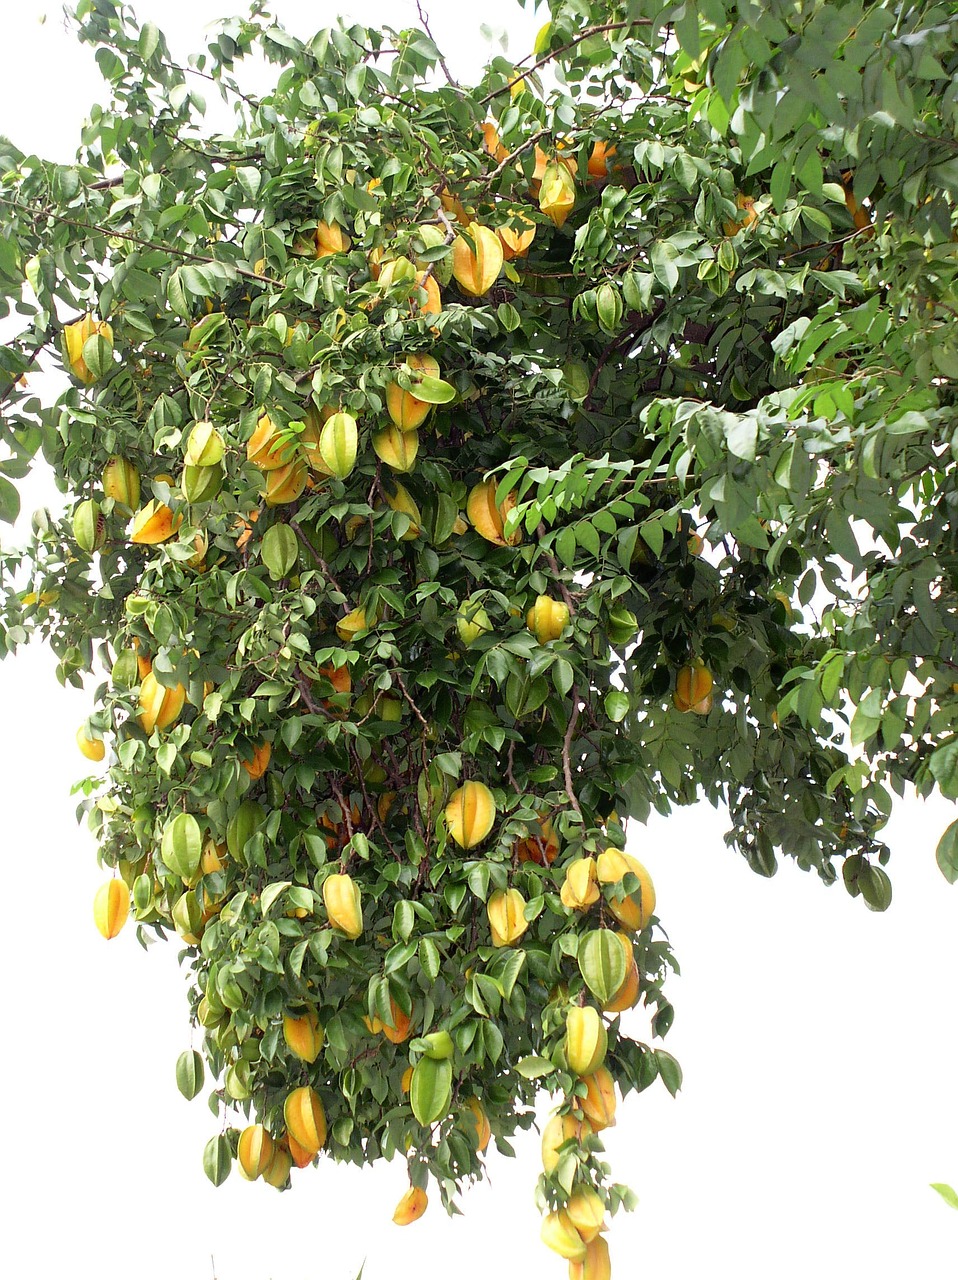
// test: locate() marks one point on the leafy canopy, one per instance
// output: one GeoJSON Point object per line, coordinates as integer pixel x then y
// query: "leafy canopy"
{"type": "Point", "coordinates": [456, 473]}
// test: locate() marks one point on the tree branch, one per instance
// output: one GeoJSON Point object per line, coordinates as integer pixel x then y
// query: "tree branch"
{"type": "Point", "coordinates": [566, 751]}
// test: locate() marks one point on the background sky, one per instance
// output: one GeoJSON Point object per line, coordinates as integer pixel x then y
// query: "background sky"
{"type": "Point", "coordinates": [818, 1040]}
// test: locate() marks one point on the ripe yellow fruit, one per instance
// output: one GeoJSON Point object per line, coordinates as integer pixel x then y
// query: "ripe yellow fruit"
{"type": "Point", "coordinates": [257, 766]}
{"type": "Point", "coordinates": [491, 142]}
{"type": "Point", "coordinates": [470, 814]}
{"type": "Point", "coordinates": [472, 621]}
{"type": "Point", "coordinates": [285, 484]}
{"type": "Point", "coordinates": [343, 903]}
{"type": "Point", "coordinates": [398, 498]}
{"type": "Point", "coordinates": [596, 1265]}
{"type": "Point", "coordinates": [399, 1032]}
{"type": "Point", "coordinates": [507, 921]}
{"type": "Point", "coordinates": [516, 244]}
{"type": "Point", "coordinates": [629, 992]}
{"type": "Point", "coordinates": [93, 748]}
{"type": "Point", "coordinates": [559, 1235]}
{"type": "Point", "coordinates": [154, 523]}
{"type": "Point", "coordinates": [483, 1131]}
{"type": "Point", "coordinates": [276, 1172]}
{"type": "Point", "coordinates": [598, 1106]}
{"type": "Point", "coordinates": [432, 306]}
{"type": "Point", "coordinates": [547, 619]}
{"type": "Point", "coordinates": [354, 622]}
{"type": "Point", "coordinates": [121, 482]}
{"type": "Point", "coordinates": [406, 1080]}
{"type": "Point", "coordinates": [693, 684]}
{"type": "Point", "coordinates": [557, 193]}
{"type": "Point", "coordinates": [558, 1131]}
{"type": "Point", "coordinates": [579, 889]}
{"type": "Point", "coordinates": [265, 449]}
{"type": "Point", "coordinates": [406, 411]}
{"type": "Point", "coordinates": [74, 337]}
{"type": "Point", "coordinates": [476, 266]}
{"type": "Point", "coordinates": [305, 1118]}
{"type": "Point", "coordinates": [396, 448]}
{"type": "Point", "coordinates": [599, 159]}
{"type": "Point", "coordinates": [586, 1040]}
{"type": "Point", "coordinates": [542, 846]}
{"type": "Point", "coordinates": [749, 216]}
{"type": "Point", "coordinates": [488, 518]}
{"type": "Point", "coordinates": [632, 910]}
{"type": "Point", "coordinates": [586, 1211]}
{"type": "Point", "coordinates": [254, 1152]}
{"type": "Point", "coordinates": [111, 907]}
{"type": "Point", "coordinates": [303, 1035]}
{"type": "Point", "coordinates": [411, 1207]}
{"type": "Point", "coordinates": [300, 1156]}
{"type": "Point", "coordinates": [330, 239]}
{"type": "Point", "coordinates": [159, 706]}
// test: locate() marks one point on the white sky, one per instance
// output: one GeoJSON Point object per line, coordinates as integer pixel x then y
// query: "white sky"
{"type": "Point", "coordinates": [818, 1040]}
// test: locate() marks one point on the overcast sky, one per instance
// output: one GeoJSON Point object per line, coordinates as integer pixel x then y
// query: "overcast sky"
{"type": "Point", "coordinates": [818, 1040]}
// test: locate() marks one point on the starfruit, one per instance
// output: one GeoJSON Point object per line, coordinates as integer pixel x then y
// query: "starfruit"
{"type": "Point", "coordinates": [121, 482]}
{"type": "Point", "coordinates": [433, 237]}
{"type": "Point", "coordinates": [202, 484]}
{"type": "Point", "coordinates": [411, 1207]}
{"type": "Point", "coordinates": [693, 684]}
{"type": "Point", "coordinates": [300, 1156]}
{"type": "Point", "coordinates": [401, 1024]}
{"type": "Point", "coordinates": [598, 1105]}
{"type": "Point", "coordinates": [472, 621]}
{"type": "Point", "coordinates": [431, 303]}
{"type": "Point", "coordinates": [305, 1118]}
{"type": "Point", "coordinates": [354, 623]}
{"type": "Point", "coordinates": [276, 1172]}
{"type": "Point", "coordinates": [89, 526]}
{"type": "Point", "coordinates": [516, 244]}
{"type": "Point", "coordinates": [188, 918]}
{"type": "Point", "coordinates": [557, 1132]}
{"type": "Point", "coordinates": [547, 619]}
{"type": "Point", "coordinates": [557, 193]}
{"type": "Point", "coordinates": [632, 910]}
{"type": "Point", "coordinates": [586, 1040]}
{"type": "Point", "coordinates": [93, 748]}
{"type": "Point", "coordinates": [406, 410]}
{"type": "Point", "coordinates": [396, 448]}
{"type": "Point", "coordinates": [488, 518]}
{"type": "Point", "coordinates": [542, 846]}
{"type": "Point", "coordinates": [343, 903]}
{"type": "Point", "coordinates": [254, 1152]}
{"type": "Point", "coordinates": [430, 1090]}
{"type": "Point", "coordinates": [559, 1235]}
{"type": "Point", "coordinates": [477, 1123]}
{"type": "Point", "coordinates": [507, 921]}
{"type": "Point", "coordinates": [205, 446]}
{"type": "Point", "coordinates": [182, 847]}
{"type": "Point", "coordinates": [586, 1211]}
{"type": "Point", "coordinates": [257, 766]}
{"type": "Point", "coordinates": [579, 888]}
{"type": "Point", "coordinates": [596, 1264]}
{"type": "Point", "coordinates": [242, 826]}
{"type": "Point", "coordinates": [159, 706]}
{"type": "Point", "coordinates": [285, 484]}
{"type": "Point", "coordinates": [154, 523]}
{"type": "Point", "coordinates": [330, 239]}
{"type": "Point", "coordinates": [477, 259]}
{"type": "Point", "coordinates": [111, 907]}
{"type": "Point", "coordinates": [266, 449]}
{"type": "Point", "coordinates": [75, 337]}
{"type": "Point", "coordinates": [470, 814]}
{"type": "Point", "coordinates": [602, 962]}
{"type": "Point", "coordinates": [398, 498]}
{"type": "Point", "coordinates": [338, 444]}
{"type": "Point", "coordinates": [599, 158]}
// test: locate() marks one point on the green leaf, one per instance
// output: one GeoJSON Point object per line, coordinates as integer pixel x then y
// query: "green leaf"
{"type": "Point", "coordinates": [947, 853]}
{"type": "Point", "coordinates": [943, 766]}
{"type": "Point", "coordinates": [9, 501]}
{"type": "Point", "coordinates": [533, 1067]}
{"type": "Point", "coordinates": [948, 1194]}
{"type": "Point", "coordinates": [669, 1070]}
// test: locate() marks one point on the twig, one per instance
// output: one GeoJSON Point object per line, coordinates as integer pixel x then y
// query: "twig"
{"type": "Point", "coordinates": [566, 749]}
{"type": "Point", "coordinates": [408, 696]}
{"type": "Point", "coordinates": [553, 564]}
{"type": "Point", "coordinates": [583, 35]}
{"type": "Point", "coordinates": [442, 61]}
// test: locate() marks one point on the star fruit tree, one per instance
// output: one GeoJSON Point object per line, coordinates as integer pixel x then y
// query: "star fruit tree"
{"type": "Point", "coordinates": [455, 475]}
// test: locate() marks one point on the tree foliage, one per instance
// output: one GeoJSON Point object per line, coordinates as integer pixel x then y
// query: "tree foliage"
{"type": "Point", "coordinates": [455, 565]}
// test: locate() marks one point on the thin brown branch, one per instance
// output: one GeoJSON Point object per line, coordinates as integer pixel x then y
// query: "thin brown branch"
{"type": "Point", "coordinates": [567, 750]}
{"type": "Point", "coordinates": [549, 57]}
{"type": "Point", "coordinates": [408, 696]}
{"type": "Point", "coordinates": [423, 18]}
